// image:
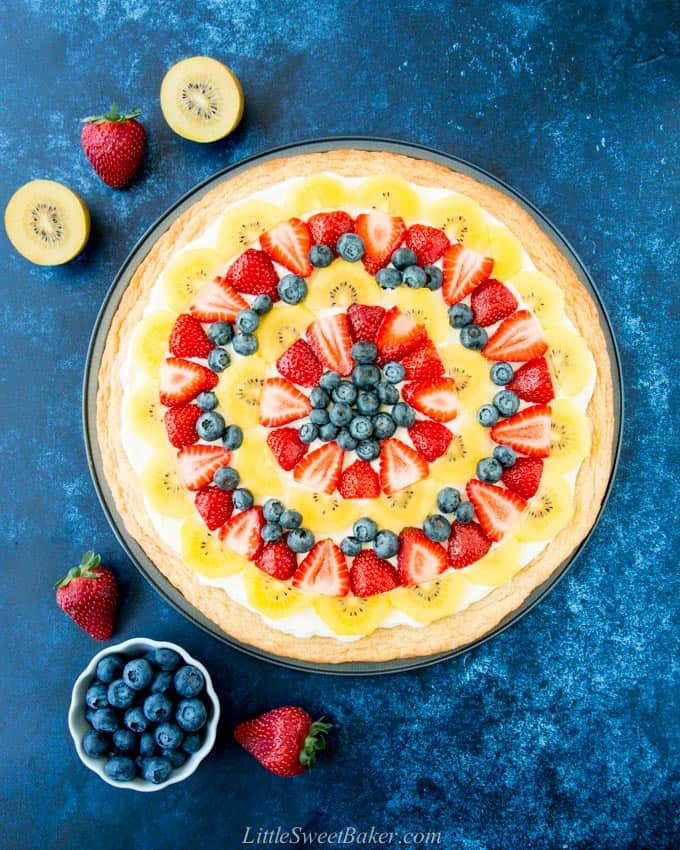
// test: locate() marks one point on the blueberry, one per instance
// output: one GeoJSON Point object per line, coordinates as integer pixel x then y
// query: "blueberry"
{"type": "Point", "coordinates": [262, 304]}
{"type": "Point", "coordinates": [365, 375]}
{"type": "Point", "coordinates": [245, 344]}
{"type": "Point", "coordinates": [168, 735]}
{"type": "Point", "coordinates": [192, 743]}
{"type": "Point", "coordinates": [207, 400]}
{"type": "Point", "coordinates": [460, 315]}
{"type": "Point", "coordinates": [147, 744]}
{"type": "Point", "coordinates": [501, 373]}
{"type": "Point", "coordinates": [291, 519]}
{"type": "Point", "coordinates": [414, 277]}
{"type": "Point", "coordinates": [505, 456]}
{"type": "Point", "coordinates": [393, 372]}
{"type": "Point", "coordinates": [292, 288]}
{"type": "Point", "coordinates": [345, 440]}
{"type": "Point", "coordinates": [272, 532]}
{"type": "Point", "coordinates": [106, 719]}
{"type": "Point", "coordinates": [158, 707]}
{"type": "Point", "coordinates": [365, 529]}
{"type": "Point", "coordinates": [120, 768]}
{"type": "Point", "coordinates": [361, 427]}
{"type": "Point", "coordinates": [191, 715]}
{"type": "Point", "coordinates": [318, 416]}
{"type": "Point", "coordinates": [135, 720]}
{"type": "Point", "coordinates": [437, 528]}
{"type": "Point", "coordinates": [125, 741]}
{"type": "Point", "coordinates": [166, 659]}
{"type": "Point", "coordinates": [89, 714]}
{"type": "Point", "coordinates": [350, 247]}
{"type": "Point", "coordinates": [448, 500]}
{"type": "Point", "coordinates": [368, 449]}
{"type": "Point", "coordinates": [506, 402]}
{"type": "Point", "coordinates": [232, 438]}
{"type": "Point", "coordinates": [328, 432]}
{"type": "Point", "coordinates": [368, 402]}
{"type": "Point", "coordinates": [109, 668]}
{"type": "Point", "coordinates": [94, 743]}
{"type": "Point", "coordinates": [175, 757]}
{"type": "Point", "coordinates": [138, 674]}
{"type": "Point", "coordinates": [345, 391]}
{"type": "Point", "coordinates": [96, 695]}
{"type": "Point", "coordinates": [319, 397]}
{"type": "Point", "coordinates": [221, 333]}
{"type": "Point", "coordinates": [388, 278]}
{"type": "Point", "coordinates": [218, 359]}
{"type": "Point", "coordinates": [403, 414]}
{"type": "Point", "coordinates": [402, 258]}
{"type": "Point", "coordinates": [120, 694]}
{"type": "Point", "coordinates": [157, 770]}
{"type": "Point", "coordinates": [226, 478]}
{"type": "Point", "coordinates": [364, 352]}
{"type": "Point", "coordinates": [242, 499]}
{"type": "Point", "coordinates": [350, 546]}
{"type": "Point", "coordinates": [489, 469]}
{"type": "Point", "coordinates": [383, 426]}
{"type": "Point", "coordinates": [308, 432]}
{"type": "Point", "coordinates": [434, 277]}
{"type": "Point", "coordinates": [387, 393]}
{"type": "Point", "coordinates": [162, 682]}
{"type": "Point", "coordinates": [300, 540]}
{"type": "Point", "coordinates": [473, 337]}
{"type": "Point", "coordinates": [465, 512]}
{"type": "Point", "coordinates": [272, 510]}
{"type": "Point", "coordinates": [487, 415]}
{"type": "Point", "coordinates": [386, 544]}
{"type": "Point", "coordinates": [340, 414]}
{"type": "Point", "coordinates": [329, 381]}
{"type": "Point", "coordinates": [189, 681]}
{"type": "Point", "coordinates": [320, 256]}
{"type": "Point", "coordinates": [247, 321]}
{"type": "Point", "coordinates": [210, 425]}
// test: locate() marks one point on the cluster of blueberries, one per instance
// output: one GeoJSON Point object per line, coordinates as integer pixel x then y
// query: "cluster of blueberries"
{"type": "Point", "coordinates": [279, 520]}
{"type": "Point", "coordinates": [365, 530]}
{"type": "Point", "coordinates": [505, 403]}
{"type": "Point", "coordinates": [147, 715]}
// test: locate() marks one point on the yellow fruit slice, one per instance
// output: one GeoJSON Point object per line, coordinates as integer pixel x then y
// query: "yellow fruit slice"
{"type": "Point", "coordinates": [256, 465]}
{"type": "Point", "coordinates": [280, 328]}
{"type": "Point", "coordinates": [243, 224]}
{"type": "Point", "coordinates": [239, 390]}
{"type": "Point", "coordinates": [340, 285]}
{"type": "Point", "coordinates": [163, 488]}
{"type": "Point", "coordinates": [540, 294]}
{"type": "Point", "coordinates": [312, 194]}
{"type": "Point", "coordinates": [274, 599]}
{"type": "Point", "coordinates": [458, 464]}
{"type": "Point", "coordinates": [389, 195]}
{"type": "Point", "coordinates": [144, 415]}
{"type": "Point", "coordinates": [497, 566]}
{"type": "Point", "coordinates": [432, 600]}
{"type": "Point", "coordinates": [569, 359]}
{"type": "Point", "coordinates": [470, 371]}
{"type": "Point", "coordinates": [151, 341]}
{"type": "Point", "coordinates": [424, 306]}
{"type": "Point", "coordinates": [506, 251]}
{"type": "Point", "coordinates": [201, 99]}
{"type": "Point", "coordinates": [460, 218]}
{"type": "Point", "coordinates": [47, 222]}
{"type": "Point", "coordinates": [549, 510]}
{"type": "Point", "coordinates": [203, 552]}
{"type": "Point", "coordinates": [350, 615]}
{"type": "Point", "coordinates": [569, 435]}
{"type": "Point", "coordinates": [187, 273]}
{"type": "Point", "coordinates": [405, 507]}
{"type": "Point", "coordinates": [323, 513]}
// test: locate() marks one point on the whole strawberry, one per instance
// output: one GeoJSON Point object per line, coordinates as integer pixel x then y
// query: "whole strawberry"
{"type": "Point", "coordinates": [115, 144]}
{"type": "Point", "coordinates": [88, 594]}
{"type": "Point", "coordinates": [284, 740]}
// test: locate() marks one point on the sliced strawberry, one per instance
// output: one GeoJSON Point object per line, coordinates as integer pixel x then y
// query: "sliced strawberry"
{"type": "Point", "coordinates": [382, 234]}
{"type": "Point", "coordinates": [491, 302]}
{"type": "Point", "coordinates": [427, 243]}
{"type": "Point", "coordinates": [364, 321]}
{"type": "Point", "coordinates": [400, 466]}
{"type": "Point", "coordinates": [180, 423]}
{"type": "Point", "coordinates": [277, 560]}
{"type": "Point", "coordinates": [497, 508]}
{"type": "Point", "coordinates": [532, 382]}
{"type": "Point", "coordinates": [359, 481]}
{"type": "Point", "coordinates": [243, 533]}
{"type": "Point", "coordinates": [217, 301]}
{"type": "Point", "coordinates": [371, 574]}
{"type": "Point", "coordinates": [188, 339]}
{"type": "Point", "coordinates": [300, 365]}
{"type": "Point", "coordinates": [524, 476]}
{"type": "Point", "coordinates": [467, 544]}
{"type": "Point", "coordinates": [214, 505]}
{"type": "Point", "coordinates": [519, 337]}
{"type": "Point", "coordinates": [287, 447]}
{"type": "Point", "coordinates": [527, 432]}
{"type": "Point", "coordinates": [281, 403]}
{"type": "Point", "coordinates": [327, 227]}
{"type": "Point", "coordinates": [253, 272]}
{"type": "Point", "coordinates": [181, 380]}
{"type": "Point", "coordinates": [397, 335]}
{"type": "Point", "coordinates": [430, 438]}
{"type": "Point", "coordinates": [331, 340]}
{"type": "Point", "coordinates": [288, 244]}
{"type": "Point", "coordinates": [436, 399]}
{"type": "Point", "coordinates": [320, 470]}
{"type": "Point", "coordinates": [420, 559]}
{"type": "Point", "coordinates": [464, 269]}
{"type": "Point", "coordinates": [198, 464]}
{"type": "Point", "coordinates": [423, 363]}
{"type": "Point", "coordinates": [324, 571]}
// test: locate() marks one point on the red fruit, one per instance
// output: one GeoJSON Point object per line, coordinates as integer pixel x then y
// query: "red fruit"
{"type": "Point", "coordinates": [180, 423]}
{"type": "Point", "coordinates": [243, 533]}
{"type": "Point", "coordinates": [428, 243]}
{"type": "Point", "coordinates": [436, 399]}
{"type": "Point", "coordinates": [364, 321]}
{"type": "Point", "coordinates": [491, 302]}
{"type": "Point", "coordinates": [382, 234]}
{"type": "Point", "coordinates": [253, 272]}
{"type": "Point", "coordinates": [182, 380]}
{"type": "Point", "coordinates": [524, 476]}
{"type": "Point", "coordinates": [287, 447]}
{"type": "Point", "coordinates": [300, 365]}
{"type": "Point", "coordinates": [532, 382]}
{"type": "Point", "coordinates": [467, 544]}
{"type": "Point", "coordinates": [214, 505]}
{"type": "Point", "coordinates": [397, 335]}
{"type": "Point", "coordinates": [115, 144]}
{"type": "Point", "coordinates": [519, 337]}
{"type": "Point", "coordinates": [323, 571]}
{"type": "Point", "coordinates": [527, 432]}
{"type": "Point", "coordinates": [288, 244]}
{"type": "Point", "coordinates": [498, 509]}
{"type": "Point", "coordinates": [217, 301]}
{"type": "Point", "coordinates": [283, 740]}
{"type": "Point", "coordinates": [277, 560]}
{"type": "Point", "coordinates": [332, 342]}
{"type": "Point", "coordinates": [320, 470]}
{"type": "Point", "coordinates": [281, 403]}
{"type": "Point", "coordinates": [423, 363]}
{"type": "Point", "coordinates": [359, 481]}
{"type": "Point", "coordinates": [88, 593]}
{"type": "Point", "coordinates": [430, 438]}
{"type": "Point", "coordinates": [420, 559]}
{"type": "Point", "coordinates": [188, 339]}
{"type": "Point", "coordinates": [463, 269]}
{"type": "Point", "coordinates": [197, 464]}
{"type": "Point", "coordinates": [371, 574]}
{"type": "Point", "coordinates": [327, 227]}
{"type": "Point", "coordinates": [400, 466]}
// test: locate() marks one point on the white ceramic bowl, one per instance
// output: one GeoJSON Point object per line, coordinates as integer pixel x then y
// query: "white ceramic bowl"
{"type": "Point", "coordinates": [78, 726]}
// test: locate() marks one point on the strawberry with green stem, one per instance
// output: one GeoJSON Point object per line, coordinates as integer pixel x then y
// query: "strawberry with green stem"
{"type": "Point", "coordinates": [115, 144]}
{"type": "Point", "coordinates": [88, 593]}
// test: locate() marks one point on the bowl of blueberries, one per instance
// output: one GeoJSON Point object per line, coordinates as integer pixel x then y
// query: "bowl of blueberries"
{"type": "Point", "coordinates": [143, 714]}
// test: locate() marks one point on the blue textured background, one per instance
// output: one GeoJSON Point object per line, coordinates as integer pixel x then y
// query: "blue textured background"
{"type": "Point", "coordinates": [563, 731]}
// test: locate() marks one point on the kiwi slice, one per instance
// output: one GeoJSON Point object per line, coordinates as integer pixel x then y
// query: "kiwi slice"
{"type": "Point", "coordinates": [47, 222]}
{"type": "Point", "coordinates": [201, 99]}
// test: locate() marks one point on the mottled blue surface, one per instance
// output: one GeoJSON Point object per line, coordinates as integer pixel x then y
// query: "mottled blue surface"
{"type": "Point", "coordinates": [563, 731]}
